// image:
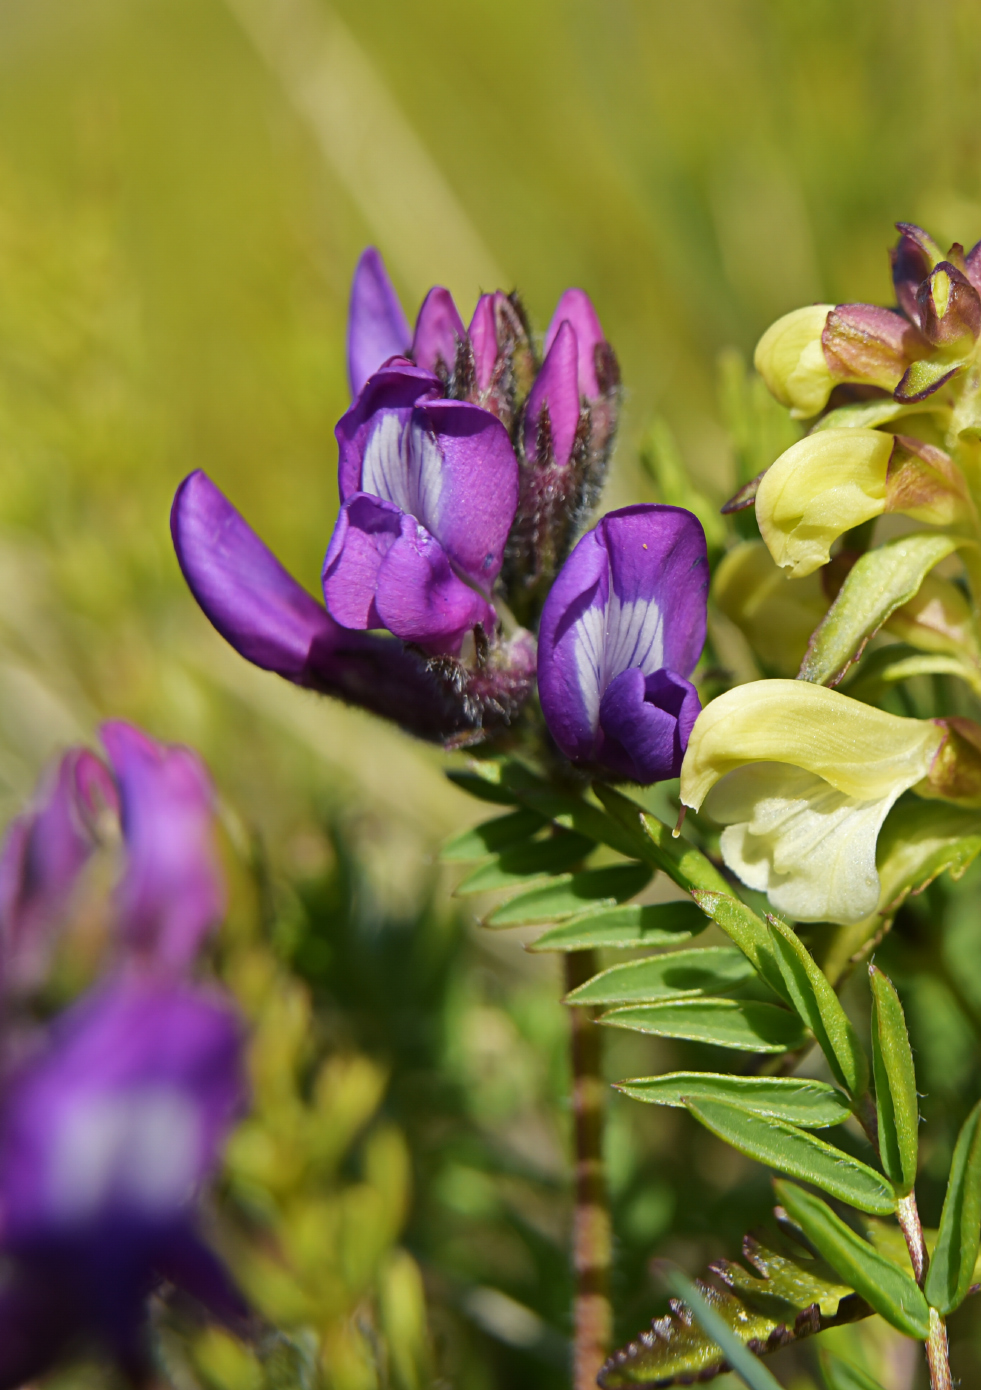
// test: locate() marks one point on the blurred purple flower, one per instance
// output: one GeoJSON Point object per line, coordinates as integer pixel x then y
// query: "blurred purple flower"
{"type": "Point", "coordinates": [621, 632]}
{"type": "Point", "coordinates": [428, 492]}
{"type": "Point", "coordinates": [261, 610]}
{"type": "Point", "coordinates": [43, 854]}
{"type": "Point", "coordinates": [106, 1137]}
{"type": "Point", "coordinates": [172, 891]}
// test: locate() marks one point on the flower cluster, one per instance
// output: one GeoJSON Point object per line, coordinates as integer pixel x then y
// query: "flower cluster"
{"type": "Point", "coordinates": [803, 777]}
{"type": "Point", "coordinates": [113, 1113]}
{"type": "Point", "coordinates": [467, 470]}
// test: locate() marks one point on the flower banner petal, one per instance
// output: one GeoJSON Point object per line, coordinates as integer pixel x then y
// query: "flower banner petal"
{"type": "Point", "coordinates": [376, 326]}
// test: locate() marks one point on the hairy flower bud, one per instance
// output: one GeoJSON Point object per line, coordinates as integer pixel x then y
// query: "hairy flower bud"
{"type": "Point", "coordinates": [503, 362]}
{"type": "Point", "coordinates": [790, 359]}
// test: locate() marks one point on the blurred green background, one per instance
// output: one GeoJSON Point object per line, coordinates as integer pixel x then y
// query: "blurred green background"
{"type": "Point", "coordinates": [185, 186]}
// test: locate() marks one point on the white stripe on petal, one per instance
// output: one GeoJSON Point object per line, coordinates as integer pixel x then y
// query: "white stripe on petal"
{"type": "Point", "coordinates": [403, 465]}
{"type": "Point", "coordinates": [634, 636]}
{"type": "Point", "coordinates": [590, 641]}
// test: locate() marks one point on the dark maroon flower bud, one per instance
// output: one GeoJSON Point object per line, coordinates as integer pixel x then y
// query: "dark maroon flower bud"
{"type": "Point", "coordinates": [949, 308]}
{"type": "Point", "coordinates": [913, 257]}
{"type": "Point", "coordinates": [864, 343]}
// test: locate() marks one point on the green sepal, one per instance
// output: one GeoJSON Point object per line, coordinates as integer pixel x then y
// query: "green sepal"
{"type": "Point", "coordinates": [895, 1084]}
{"type": "Point", "coordinates": [820, 1008]}
{"type": "Point", "coordinates": [749, 1370]}
{"type": "Point", "coordinates": [786, 1297]}
{"type": "Point", "coordinates": [880, 581]}
{"type": "Point", "coordinates": [531, 859]}
{"type": "Point", "coordinates": [743, 1025]}
{"type": "Point", "coordinates": [568, 895]}
{"type": "Point", "coordinates": [793, 1151]}
{"type": "Point", "coordinates": [704, 970]}
{"type": "Point", "coordinates": [893, 1294]}
{"type": "Point", "coordinates": [631, 924]}
{"type": "Point", "coordinates": [805, 1103]}
{"type": "Point", "coordinates": [924, 377]}
{"type": "Point", "coordinates": [952, 1266]}
{"type": "Point", "coordinates": [491, 837]}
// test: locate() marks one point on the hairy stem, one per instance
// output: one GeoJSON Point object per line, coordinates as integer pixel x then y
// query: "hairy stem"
{"type": "Point", "coordinates": [592, 1242]}
{"type": "Point", "coordinates": [938, 1360]}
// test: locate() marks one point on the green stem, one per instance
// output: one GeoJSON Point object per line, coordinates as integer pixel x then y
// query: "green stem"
{"type": "Point", "coordinates": [592, 1239]}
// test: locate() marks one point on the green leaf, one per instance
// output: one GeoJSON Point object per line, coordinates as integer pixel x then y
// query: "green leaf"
{"type": "Point", "coordinates": [749, 932]}
{"type": "Point", "coordinates": [705, 970]}
{"type": "Point", "coordinates": [951, 1270]}
{"type": "Point", "coordinates": [790, 1150]}
{"type": "Point", "coordinates": [888, 1289]}
{"type": "Point", "coordinates": [743, 1025]}
{"type": "Point", "coordinates": [820, 1008]}
{"type": "Point", "coordinates": [895, 1084]}
{"type": "Point", "coordinates": [842, 1375]}
{"type": "Point", "coordinates": [492, 836]}
{"type": "Point", "coordinates": [752, 1372]}
{"type": "Point", "coordinates": [528, 860]}
{"type": "Point", "coordinates": [652, 924]}
{"type": "Point", "coordinates": [483, 782]}
{"type": "Point", "coordinates": [879, 582]}
{"type": "Point", "coordinates": [808, 1104]}
{"type": "Point", "coordinates": [784, 1299]}
{"type": "Point", "coordinates": [568, 895]}
{"type": "Point", "coordinates": [678, 857]}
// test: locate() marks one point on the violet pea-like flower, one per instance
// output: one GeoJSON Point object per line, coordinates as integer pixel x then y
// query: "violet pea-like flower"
{"type": "Point", "coordinates": [171, 892]}
{"type": "Point", "coordinates": [621, 632]}
{"type": "Point", "coordinates": [107, 1134]}
{"type": "Point", "coordinates": [428, 493]}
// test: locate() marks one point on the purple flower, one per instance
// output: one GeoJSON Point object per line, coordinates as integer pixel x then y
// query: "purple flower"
{"type": "Point", "coordinates": [43, 854]}
{"type": "Point", "coordinates": [172, 891]}
{"type": "Point", "coordinates": [428, 492]}
{"type": "Point", "coordinates": [376, 326]}
{"type": "Point", "coordinates": [107, 1135]}
{"type": "Point", "coordinates": [621, 632]}
{"type": "Point", "coordinates": [260, 609]}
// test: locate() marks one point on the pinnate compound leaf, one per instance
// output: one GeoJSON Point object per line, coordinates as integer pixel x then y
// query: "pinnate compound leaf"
{"type": "Point", "coordinates": [743, 1025]}
{"type": "Point", "coordinates": [484, 783]}
{"type": "Point", "coordinates": [805, 1103]}
{"type": "Point", "coordinates": [491, 837]}
{"type": "Point", "coordinates": [793, 1151]}
{"type": "Point", "coordinates": [887, 1288]}
{"type": "Point", "coordinates": [632, 924]}
{"type": "Point", "coordinates": [568, 895]}
{"type": "Point", "coordinates": [951, 1270]}
{"type": "Point", "coordinates": [880, 581]}
{"type": "Point", "coordinates": [749, 1370]}
{"type": "Point", "coordinates": [705, 970]}
{"type": "Point", "coordinates": [747, 931]}
{"type": "Point", "coordinates": [783, 1300]}
{"type": "Point", "coordinates": [842, 1375]}
{"type": "Point", "coordinates": [532, 859]}
{"type": "Point", "coordinates": [820, 1008]}
{"type": "Point", "coordinates": [682, 861]}
{"type": "Point", "coordinates": [895, 1084]}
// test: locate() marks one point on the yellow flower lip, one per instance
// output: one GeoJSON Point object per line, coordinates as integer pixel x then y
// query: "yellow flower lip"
{"type": "Point", "coordinates": [790, 359]}
{"type": "Point", "coordinates": [859, 750]}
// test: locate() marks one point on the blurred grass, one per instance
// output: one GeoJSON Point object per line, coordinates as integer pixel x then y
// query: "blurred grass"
{"type": "Point", "coordinates": [182, 200]}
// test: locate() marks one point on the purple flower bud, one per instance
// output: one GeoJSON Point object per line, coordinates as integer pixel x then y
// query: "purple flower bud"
{"type": "Point", "coordinates": [439, 334]}
{"type": "Point", "coordinates": [867, 344]}
{"type": "Point", "coordinates": [621, 632]}
{"type": "Point", "coordinates": [576, 308]}
{"type": "Point", "coordinates": [972, 266]}
{"type": "Point", "coordinates": [503, 365]}
{"type": "Point", "coordinates": [949, 308]}
{"type": "Point", "coordinates": [172, 892]}
{"type": "Point", "coordinates": [376, 327]}
{"type": "Point", "coordinates": [552, 412]}
{"type": "Point", "coordinates": [428, 497]}
{"type": "Point", "coordinates": [913, 257]}
{"type": "Point", "coordinates": [260, 609]}
{"type": "Point", "coordinates": [106, 1136]}
{"type": "Point", "coordinates": [43, 854]}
